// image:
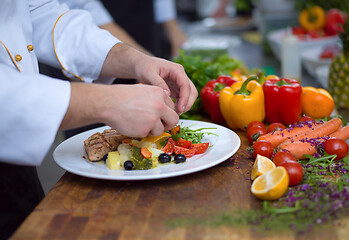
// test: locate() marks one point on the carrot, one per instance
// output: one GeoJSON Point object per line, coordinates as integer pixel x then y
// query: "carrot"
{"type": "Point", "coordinates": [281, 135]}
{"type": "Point", "coordinates": [342, 133]}
{"type": "Point", "coordinates": [146, 153]}
{"type": "Point", "coordinates": [298, 149]}
{"type": "Point", "coordinates": [319, 131]}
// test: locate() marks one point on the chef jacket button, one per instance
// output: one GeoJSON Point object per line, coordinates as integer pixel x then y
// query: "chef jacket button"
{"type": "Point", "coordinates": [30, 47]}
{"type": "Point", "coordinates": [18, 58]}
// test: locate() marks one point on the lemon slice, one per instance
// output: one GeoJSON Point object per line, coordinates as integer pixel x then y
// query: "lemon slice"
{"type": "Point", "coordinates": [261, 165]}
{"type": "Point", "coordinates": [156, 139]}
{"type": "Point", "coordinates": [271, 185]}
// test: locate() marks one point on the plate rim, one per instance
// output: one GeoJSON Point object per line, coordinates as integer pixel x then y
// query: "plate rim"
{"type": "Point", "coordinates": [182, 172]}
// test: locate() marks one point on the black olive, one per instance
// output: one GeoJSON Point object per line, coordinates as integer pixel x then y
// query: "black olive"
{"type": "Point", "coordinates": [179, 158]}
{"type": "Point", "coordinates": [128, 165]}
{"type": "Point", "coordinates": [105, 157]}
{"type": "Point", "coordinates": [164, 158]}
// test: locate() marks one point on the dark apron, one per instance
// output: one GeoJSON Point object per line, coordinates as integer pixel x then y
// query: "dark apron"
{"type": "Point", "coordinates": [20, 193]}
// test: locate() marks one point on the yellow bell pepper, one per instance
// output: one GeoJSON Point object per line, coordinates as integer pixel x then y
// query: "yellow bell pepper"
{"type": "Point", "coordinates": [242, 103]}
{"type": "Point", "coordinates": [317, 102]}
{"type": "Point", "coordinates": [312, 18]}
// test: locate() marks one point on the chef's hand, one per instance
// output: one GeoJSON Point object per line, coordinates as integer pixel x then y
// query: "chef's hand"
{"type": "Point", "coordinates": [139, 110]}
{"type": "Point", "coordinates": [126, 62]}
{"type": "Point", "coordinates": [134, 110]}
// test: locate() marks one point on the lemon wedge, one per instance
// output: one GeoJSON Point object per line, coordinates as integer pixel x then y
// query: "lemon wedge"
{"type": "Point", "coordinates": [156, 139]}
{"type": "Point", "coordinates": [271, 185]}
{"type": "Point", "coordinates": [261, 165]}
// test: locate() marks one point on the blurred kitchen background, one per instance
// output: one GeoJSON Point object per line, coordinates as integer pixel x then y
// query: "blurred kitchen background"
{"type": "Point", "coordinates": [252, 31]}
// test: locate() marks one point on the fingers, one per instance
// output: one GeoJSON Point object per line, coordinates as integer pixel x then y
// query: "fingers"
{"type": "Point", "coordinates": [187, 92]}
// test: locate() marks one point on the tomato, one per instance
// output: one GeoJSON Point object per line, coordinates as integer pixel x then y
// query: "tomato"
{"type": "Point", "coordinates": [255, 123]}
{"type": "Point", "coordinates": [295, 172]}
{"type": "Point", "coordinates": [200, 147]}
{"type": "Point", "coordinates": [185, 151]}
{"type": "Point", "coordinates": [254, 133]}
{"type": "Point", "coordinates": [275, 126]}
{"type": "Point", "coordinates": [282, 157]}
{"type": "Point", "coordinates": [264, 148]}
{"type": "Point", "coordinates": [298, 30]}
{"type": "Point", "coordinates": [334, 21]}
{"type": "Point", "coordinates": [169, 147]}
{"type": "Point", "coordinates": [182, 143]}
{"type": "Point", "coordinates": [336, 146]}
{"type": "Point", "coordinates": [305, 119]}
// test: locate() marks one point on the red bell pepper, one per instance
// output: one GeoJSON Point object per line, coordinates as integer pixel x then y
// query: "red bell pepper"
{"type": "Point", "coordinates": [210, 96]}
{"type": "Point", "coordinates": [283, 100]}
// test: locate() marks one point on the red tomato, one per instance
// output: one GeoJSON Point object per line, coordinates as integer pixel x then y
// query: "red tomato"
{"type": "Point", "coordinates": [334, 21]}
{"type": "Point", "coordinates": [298, 30]}
{"type": "Point", "coordinates": [254, 133]}
{"type": "Point", "coordinates": [275, 126]}
{"type": "Point", "coordinates": [200, 147]}
{"type": "Point", "coordinates": [264, 148]}
{"type": "Point", "coordinates": [169, 147]}
{"type": "Point", "coordinates": [305, 119]}
{"type": "Point", "coordinates": [336, 146]}
{"type": "Point", "coordinates": [295, 172]}
{"type": "Point", "coordinates": [185, 151]}
{"type": "Point", "coordinates": [183, 143]}
{"type": "Point", "coordinates": [282, 157]}
{"type": "Point", "coordinates": [255, 123]}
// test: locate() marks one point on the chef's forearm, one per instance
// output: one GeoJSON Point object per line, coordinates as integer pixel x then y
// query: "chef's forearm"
{"type": "Point", "coordinates": [83, 106]}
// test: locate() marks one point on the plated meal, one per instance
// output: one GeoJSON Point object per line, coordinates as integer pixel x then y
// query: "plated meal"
{"type": "Point", "coordinates": [121, 152]}
{"type": "Point", "coordinates": [71, 154]}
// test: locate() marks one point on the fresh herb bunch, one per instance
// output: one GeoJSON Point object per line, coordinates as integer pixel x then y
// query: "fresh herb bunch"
{"type": "Point", "coordinates": [195, 136]}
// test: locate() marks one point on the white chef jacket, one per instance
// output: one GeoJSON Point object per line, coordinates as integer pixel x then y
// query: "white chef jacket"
{"type": "Point", "coordinates": [32, 106]}
{"type": "Point", "coordinates": [164, 10]}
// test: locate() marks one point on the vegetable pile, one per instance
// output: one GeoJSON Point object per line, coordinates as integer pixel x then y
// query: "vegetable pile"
{"type": "Point", "coordinates": [201, 71]}
{"type": "Point", "coordinates": [315, 22]}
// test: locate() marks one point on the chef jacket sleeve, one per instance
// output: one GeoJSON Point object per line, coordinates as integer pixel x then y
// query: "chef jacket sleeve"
{"type": "Point", "coordinates": [164, 10]}
{"type": "Point", "coordinates": [96, 8]}
{"type": "Point", "coordinates": [34, 106]}
{"type": "Point", "coordinates": [69, 39]}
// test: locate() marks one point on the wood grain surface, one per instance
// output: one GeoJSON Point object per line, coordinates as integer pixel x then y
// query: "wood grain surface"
{"type": "Point", "coordinates": [84, 208]}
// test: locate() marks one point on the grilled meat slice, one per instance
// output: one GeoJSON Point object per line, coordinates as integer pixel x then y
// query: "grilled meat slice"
{"type": "Point", "coordinates": [113, 138]}
{"type": "Point", "coordinates": [96, 147]}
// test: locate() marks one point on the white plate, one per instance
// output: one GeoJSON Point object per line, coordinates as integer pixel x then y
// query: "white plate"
{"type": "Point", "coordinates": [275, 41]}
{"type": "Point", "coordinates": [71, 156]}
{"type": "Point", "coordinates": [311, 59]}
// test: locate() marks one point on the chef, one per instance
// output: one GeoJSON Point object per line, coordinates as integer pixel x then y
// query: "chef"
{"type": "Point", "coordinates": [34, 107]}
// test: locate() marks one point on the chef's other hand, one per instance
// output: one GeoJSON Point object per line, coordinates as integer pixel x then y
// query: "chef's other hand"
{"type": "Point", "coordinates": [126, 62]}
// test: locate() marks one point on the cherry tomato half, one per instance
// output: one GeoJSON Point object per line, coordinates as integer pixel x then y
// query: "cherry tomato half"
{"type": "Point", "coordinates": [254, 133]}
{"type": "Point", "coordinates": [200, 147]}
{"type": "Point", "coordinates": [295, 172]}
{"type": "Point", "coordinates": [275, 126]}
{"type": "Point", "coordinates": [282, 157]}
{"type": "Point", "coordinates": [336, 146]}
{"type": "Point", "coordinates": [264, 148]}
{"type": "Point", "coordinates": [255, 123]}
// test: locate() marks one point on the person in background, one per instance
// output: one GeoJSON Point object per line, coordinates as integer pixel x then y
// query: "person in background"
{"type": "Point", "coordinates": [34, 106]}
{"type": "Point", "coordinates": [138, 23]}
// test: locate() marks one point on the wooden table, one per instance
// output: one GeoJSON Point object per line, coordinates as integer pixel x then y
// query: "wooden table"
{"type": "Point", "coordinates": [84, 208]}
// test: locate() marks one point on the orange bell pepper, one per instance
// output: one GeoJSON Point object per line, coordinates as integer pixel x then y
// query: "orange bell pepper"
{"type": "Point", "coordinates": [317, 102]}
